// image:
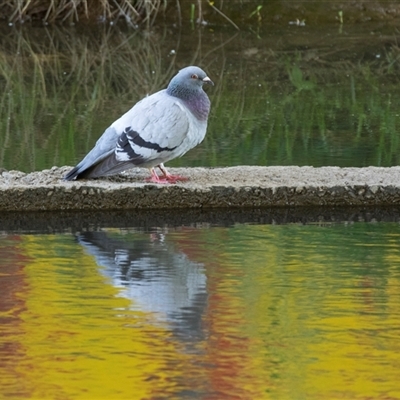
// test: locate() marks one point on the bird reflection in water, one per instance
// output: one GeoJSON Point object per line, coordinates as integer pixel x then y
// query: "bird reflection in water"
{"type": "Point", "coordinates": [159, 279]}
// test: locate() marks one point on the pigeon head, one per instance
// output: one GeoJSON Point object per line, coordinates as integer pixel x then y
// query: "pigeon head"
{"type": "Point", "coordinates": [187, 85]}
{"type": "Point", "coordinates": [188, 82]}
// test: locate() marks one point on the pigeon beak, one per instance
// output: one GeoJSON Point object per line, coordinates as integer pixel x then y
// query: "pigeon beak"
{"type": "Point", "coordinates": [208, 80]}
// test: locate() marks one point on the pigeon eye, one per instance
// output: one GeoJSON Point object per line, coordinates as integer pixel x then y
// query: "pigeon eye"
{"type": "Point", "coordinates": [194, 76]}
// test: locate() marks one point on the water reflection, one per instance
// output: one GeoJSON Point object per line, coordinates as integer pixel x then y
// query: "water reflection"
{"type": "Point", "coordinates": [203, 310]}
{"type": "Point", "coordinates": [302, 96]}
{"type": "Point", "coordinates": [154, 275]}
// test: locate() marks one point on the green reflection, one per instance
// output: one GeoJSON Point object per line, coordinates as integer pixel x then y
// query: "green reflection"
{"type": "Point", "coordinates": [314, 305]}
{"type": "Point", "coordinates": [291, 96]}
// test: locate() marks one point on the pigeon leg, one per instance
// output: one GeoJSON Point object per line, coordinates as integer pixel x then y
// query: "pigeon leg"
{"type": "Point", "coordinates": [155, 178]}
{"type": "Point", "coordinates": [171, 178]}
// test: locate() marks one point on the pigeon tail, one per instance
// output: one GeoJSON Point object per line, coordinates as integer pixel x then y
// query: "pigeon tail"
{"type": "Point", "coordinates": [105, 167]}
{"type": "Point", "coordinates": [74, 173]}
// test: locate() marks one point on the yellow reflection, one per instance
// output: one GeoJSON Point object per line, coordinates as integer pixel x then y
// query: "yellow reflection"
{"type": "Point", "coordinates": [77, 338]}
{"type": "Point", "coordinates": [291, 313]}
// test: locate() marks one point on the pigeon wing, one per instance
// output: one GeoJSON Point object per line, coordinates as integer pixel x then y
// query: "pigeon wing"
{"type": "Point", "coordinates": [158, 124]}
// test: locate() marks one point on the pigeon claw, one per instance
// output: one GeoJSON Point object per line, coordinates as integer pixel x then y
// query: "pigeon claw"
{"type": "Point", "coordinates": [166, 177]}
{"type": "Point", "coordinates": [176, 178]}
{"type": "Point", "coordinates": [157, 179]}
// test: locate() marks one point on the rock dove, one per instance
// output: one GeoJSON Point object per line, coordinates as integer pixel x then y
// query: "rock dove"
{"type": "Point", "coordinates": [157, 129]}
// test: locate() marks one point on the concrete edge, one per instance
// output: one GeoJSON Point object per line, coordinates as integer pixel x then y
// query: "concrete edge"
{"type": "Point", "coordinates": [203, 190]}
{"type": "Point", "coordinates": [87, 197]}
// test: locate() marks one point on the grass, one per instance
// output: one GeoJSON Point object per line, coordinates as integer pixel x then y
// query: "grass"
{"type": "Point", "coordinates": [132, 11]}
{"type": "Point", "coordinates": [235, 13]}
{"type": "Point", "coordinates": [50, 11]}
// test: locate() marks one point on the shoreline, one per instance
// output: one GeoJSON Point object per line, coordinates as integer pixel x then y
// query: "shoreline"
{"type": "Point", "coordinates": [207, 188]}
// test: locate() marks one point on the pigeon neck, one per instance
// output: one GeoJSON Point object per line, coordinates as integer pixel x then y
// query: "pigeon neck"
{"type": "Point", "coordinates": [181, 92]}
{"type": "Point", "coordinates": [196, 100]}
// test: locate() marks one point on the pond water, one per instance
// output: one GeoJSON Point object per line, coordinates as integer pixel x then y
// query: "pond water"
{"type": "Point", "coordinates": [264, 305]}
{"type": "Point", "coordinates": [284, 95]}
{"type": "Point", "coordinates": [204, 305]}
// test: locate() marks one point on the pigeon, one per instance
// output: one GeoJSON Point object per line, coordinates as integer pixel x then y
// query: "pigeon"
{"type": "Point", "coordinates": [157, 129]}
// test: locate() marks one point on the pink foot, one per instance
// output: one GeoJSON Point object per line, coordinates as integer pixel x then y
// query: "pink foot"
{"type": "Point", "coordinates": [175, 178]}
{"type": "Point", "coordinates": [166, 178]}
{"type": "Point", "coordinates": [157, 179]}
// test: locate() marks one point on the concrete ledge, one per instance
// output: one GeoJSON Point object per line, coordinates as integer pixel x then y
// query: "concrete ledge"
{"type": "Point", "coordinates": [244, 186]}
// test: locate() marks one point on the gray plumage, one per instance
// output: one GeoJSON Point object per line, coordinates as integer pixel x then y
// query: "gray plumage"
{"type": "Point", "coordinates": [155, 130]}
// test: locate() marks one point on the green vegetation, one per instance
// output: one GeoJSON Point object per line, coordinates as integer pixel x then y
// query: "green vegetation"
{"type": "Point", "coordinates": [62, 87]}
{"type": "Point", "coordinates": [53, 89]}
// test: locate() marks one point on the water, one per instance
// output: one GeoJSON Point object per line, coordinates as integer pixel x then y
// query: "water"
{"type": "Point", "coordinates": [264, 305]}
{"type": "Point", "coordinates": [284, 95]}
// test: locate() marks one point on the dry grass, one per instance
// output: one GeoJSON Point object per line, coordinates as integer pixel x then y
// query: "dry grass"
{"type": "Point", "coordinates": [132, 12]}
{"type": "Point", "coordinates": [50, 11]}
